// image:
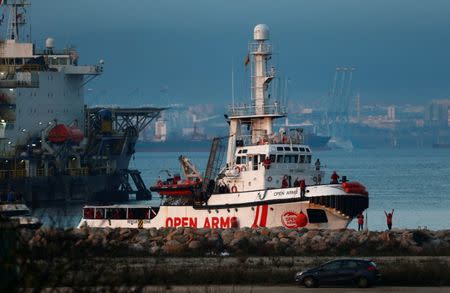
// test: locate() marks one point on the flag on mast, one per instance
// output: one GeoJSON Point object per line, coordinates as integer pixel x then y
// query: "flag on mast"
{"type": "Point", "coordinates": [247, 60]}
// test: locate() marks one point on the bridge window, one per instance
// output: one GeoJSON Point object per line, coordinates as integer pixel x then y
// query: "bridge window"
{"type": "Point", "coordinates": [138, 213]}
{"type": "Point", "coordinates": [287, 149]}
{"type": "Point", "coordinates": [308, 159]}
{"type": "Point", "coordinates": [255, 162]}
{"type": "Point", "coordinates": [272, 158]}
{"type": "Point", "coordinates": [262, 158]}
{"type": "Point", "coordinates": [295, 149]}
{"type": "Point", "coordinates": [280, 159]}
{"type": "Point", "coordinates": [88, 213]}
{"type": "Point", "coordinates": [241, 160]}
{"type": "Point", "coordinates": [116, 213]}
{"type": "Point", "coordinates": [302, 159]}
{"type": "Point", "coordinates": [99, 213]}
{"type": "Point", "coordinates": [302, 149]}
{"type": "Point", "coordinates": [279, 148]}
{"type": "Point", "coordinates": [290, 159]}
{"type": "Point", "coordinates": [308, 150]}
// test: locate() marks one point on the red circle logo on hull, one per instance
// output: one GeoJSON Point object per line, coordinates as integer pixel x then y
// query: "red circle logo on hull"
{"type": "Point", "coordinates": [288, 219]}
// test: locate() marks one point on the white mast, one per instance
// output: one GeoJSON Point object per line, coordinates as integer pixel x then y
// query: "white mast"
{"type": "Point", "coordinates": [260, 114]}
{"type": "Point", "coordinates": [261, 52]}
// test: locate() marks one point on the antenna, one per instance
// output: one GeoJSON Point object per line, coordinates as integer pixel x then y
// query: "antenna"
{"type": "Point", "coordinates": [232, 83]}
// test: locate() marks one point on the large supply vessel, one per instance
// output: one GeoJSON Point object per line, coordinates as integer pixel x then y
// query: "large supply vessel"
{"type": "Point", "coordinates": [267, 180]}
{"type": "Point", "coordinates": [52, 146]}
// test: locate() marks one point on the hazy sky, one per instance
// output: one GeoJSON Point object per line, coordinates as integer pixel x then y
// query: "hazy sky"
{"type": "Point", "coordinates": [400, 48]}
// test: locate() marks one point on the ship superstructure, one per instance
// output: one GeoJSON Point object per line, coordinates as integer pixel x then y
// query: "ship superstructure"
{"type": "Point", "coordinates": [52, 146]}
{"type": "Point", "coordinates": [268, 178]}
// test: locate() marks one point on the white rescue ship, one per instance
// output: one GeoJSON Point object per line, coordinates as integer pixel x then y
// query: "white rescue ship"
{"type": "Point", "coordinates": [260, 183]}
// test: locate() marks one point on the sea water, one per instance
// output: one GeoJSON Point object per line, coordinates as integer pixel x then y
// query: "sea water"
{"type": "Point", "coordinates": [413, 182]}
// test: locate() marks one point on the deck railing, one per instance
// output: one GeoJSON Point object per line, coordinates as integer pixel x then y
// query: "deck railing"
{"type": "Point", "coordinates": [277, 138]}
{"type": "Point", "coordinates": [249, 110]}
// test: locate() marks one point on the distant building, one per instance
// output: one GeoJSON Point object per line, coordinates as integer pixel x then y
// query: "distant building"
{"type": "Point", "coordinates": [160, 130]}
{"type": "Point", "coordinates": [391, 113]}
{"type": "Point", "coordinates": [438, 114]}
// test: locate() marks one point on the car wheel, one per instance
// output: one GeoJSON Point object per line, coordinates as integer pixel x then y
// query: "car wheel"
{"type": "Point", "coordinates": [362, 282]}
{"type": "Point", "coordinates": [309, 282]}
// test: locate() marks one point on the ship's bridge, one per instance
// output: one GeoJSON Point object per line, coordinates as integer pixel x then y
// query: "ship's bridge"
{"type": "Point", "coordinates": [278, 154]}
{"type": "Point", "coordinates": [266, 166]}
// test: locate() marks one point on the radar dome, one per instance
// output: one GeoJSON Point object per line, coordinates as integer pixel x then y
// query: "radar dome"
{"type": "Point", "coordinates": [261, 32]}
{"type": "Point", "coordinates": [50, 43]}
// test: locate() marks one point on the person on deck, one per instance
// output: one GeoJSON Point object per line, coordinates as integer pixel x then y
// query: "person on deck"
{"type": "Point", "coordinates": [284, 183]}
{"type": "Point", "coordinates": [302, 188]}
{"type": "Point", "coordinates": [389, 218]}
{"type": "Point", "coordinates": [317, 165]}
{"type": "Point", "coordinates": [334, 178]}
{"type": "Point", "coordinates": [266, 163]}
{"type": "Point", "coordinates": [360, 218]}
{"type": "Point", "coordinates": [296, 182]}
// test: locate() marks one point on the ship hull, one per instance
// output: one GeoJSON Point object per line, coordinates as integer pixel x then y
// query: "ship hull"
{"type": "Point", "coordinates": [268, 215]}
{"type": "Point", "coordinates": [327, 207]}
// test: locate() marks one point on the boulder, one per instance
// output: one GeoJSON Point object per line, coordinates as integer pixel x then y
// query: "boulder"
{"type": "Point", "coordinates": [153, 232]}
{"type": "Point", "coordinates": [227, 236]}
{"type": "Point", "coordinates": [173, 247]}
{"type": "Point", "coordinates": [195, 244]}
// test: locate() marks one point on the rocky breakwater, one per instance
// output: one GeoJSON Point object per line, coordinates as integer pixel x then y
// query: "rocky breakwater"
{"type": "Point", "coordinates": [113, 257]}
{"type": "Point", "coordinates": [244, 241]}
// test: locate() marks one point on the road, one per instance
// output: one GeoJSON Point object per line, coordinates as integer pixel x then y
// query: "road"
{"type": "Point", "coordinates": [251, 289]}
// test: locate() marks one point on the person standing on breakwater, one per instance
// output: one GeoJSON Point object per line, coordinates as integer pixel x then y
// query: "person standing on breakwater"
{"type": "Point", "coordinates": [360, 218]}
{"type": "Point", "coordinates": [389, 218]}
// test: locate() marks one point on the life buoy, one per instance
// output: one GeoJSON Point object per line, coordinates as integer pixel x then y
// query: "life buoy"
{"type": "Point", "coordinates": [237, 169]}
{"type": "Point", "coordinates": [315, 179]}
{"type": "Point", "coordinates": [269, 178]}
{"type": "Point", "coordinates": [234, 189]}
